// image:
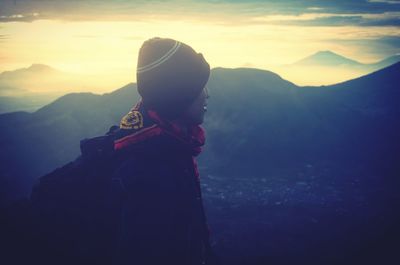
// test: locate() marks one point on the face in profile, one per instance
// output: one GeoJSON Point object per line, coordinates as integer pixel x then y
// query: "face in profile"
{"type": "Point", "coordinates": [194, 115]}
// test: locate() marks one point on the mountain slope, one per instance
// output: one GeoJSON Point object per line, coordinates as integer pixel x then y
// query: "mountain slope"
{"type": "Point", "coordinates": [49, 137]}
{"type": "Point", "coordinates": [387, 62]}
{"type": "Point", "coordinates": [251, 113]}
{"type": "Point", "coordinates": [290, 175]}
{"type": "Point", "coordinates": [28, 89]}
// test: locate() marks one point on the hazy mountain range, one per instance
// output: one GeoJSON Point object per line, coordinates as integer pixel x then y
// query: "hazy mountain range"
{"type": "Point", "coordinates": [329, 58]}
{"type": "Point", "coordinates": [327, 67]}
{"type": "Point", "coordinates": [250, 111]}
{"type": "Point", "coordinates": [28, 89]}
{"type": "Point", "coordinates": [289, 174]}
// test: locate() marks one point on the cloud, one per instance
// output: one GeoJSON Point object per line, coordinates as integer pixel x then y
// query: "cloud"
{"type": "Point", "coordinates": [379, 47]}
{"type": "Point", "coordinates": [330, 20]}
{"type": "Point", "coordinates": [19, 17]}
{"type": "Point", "coordinates": [314, 8]}
{"type": "Point", "coordinates": [4, 37]}
{"type": "Point", "coordinates": [390, 41]}
{"type": "Point", "coordinates": [384, 1]}
{"type": "Point", "coordinates": [124, 10]}
{"type": "Point", "coordinates": [328, 6]}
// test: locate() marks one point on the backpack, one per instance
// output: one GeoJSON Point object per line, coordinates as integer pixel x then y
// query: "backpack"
{"type": "Point", "coordinates": [77, 207]}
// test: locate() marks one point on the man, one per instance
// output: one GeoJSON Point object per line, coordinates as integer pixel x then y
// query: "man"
{"type": "Point", "coordinates": [163, 220]}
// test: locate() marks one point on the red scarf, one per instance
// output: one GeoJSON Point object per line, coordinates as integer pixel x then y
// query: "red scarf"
{"type": "Point", "coordinates": [193, 137]}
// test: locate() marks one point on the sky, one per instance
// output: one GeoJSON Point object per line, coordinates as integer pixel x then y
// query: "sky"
{"type": "Point", "coordinates": [102, 37]}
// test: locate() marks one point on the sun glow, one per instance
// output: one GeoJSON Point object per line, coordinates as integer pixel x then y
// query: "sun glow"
{"type": "Point", "coordinates": [106, 51]}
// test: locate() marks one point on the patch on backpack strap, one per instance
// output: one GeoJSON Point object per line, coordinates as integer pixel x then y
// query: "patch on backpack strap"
{"type": "Point", "coordinates": [132, 120]}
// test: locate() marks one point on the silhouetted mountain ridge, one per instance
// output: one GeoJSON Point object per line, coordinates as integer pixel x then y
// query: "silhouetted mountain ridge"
{"type": "Point", "coordinates": [308, 174]}
{"type": "Point", "coordinates": [252, 113]}
{"type": "Point", "coordinates": [259, 77]}
{"type": "Point", "coordinates": [378, 77]}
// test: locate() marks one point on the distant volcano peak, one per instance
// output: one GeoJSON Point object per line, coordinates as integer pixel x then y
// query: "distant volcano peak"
{"type": "Point", "coordinates": [40, 67]}
{"type": "Point", "coordinates": [327, 58]}
{"type": "Point", "coordinates": [327, 52]}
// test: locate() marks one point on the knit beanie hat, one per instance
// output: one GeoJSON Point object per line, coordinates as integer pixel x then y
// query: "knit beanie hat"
{"type": "Point", "coordinates": [170, 75]}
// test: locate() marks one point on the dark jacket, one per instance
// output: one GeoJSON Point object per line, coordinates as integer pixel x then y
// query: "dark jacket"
{"type": "Point", "coordinates": [132, 197]}
{"type": "Point", "coordinates": [142, 205]}
{"type": "Point", "coordinates": [162, 220]}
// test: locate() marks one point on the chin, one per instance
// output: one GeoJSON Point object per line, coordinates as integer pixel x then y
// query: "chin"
{"type": "Point", "coordinates": [195, 120]}
{"type": "Point", "coordinates": [200, 121]}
